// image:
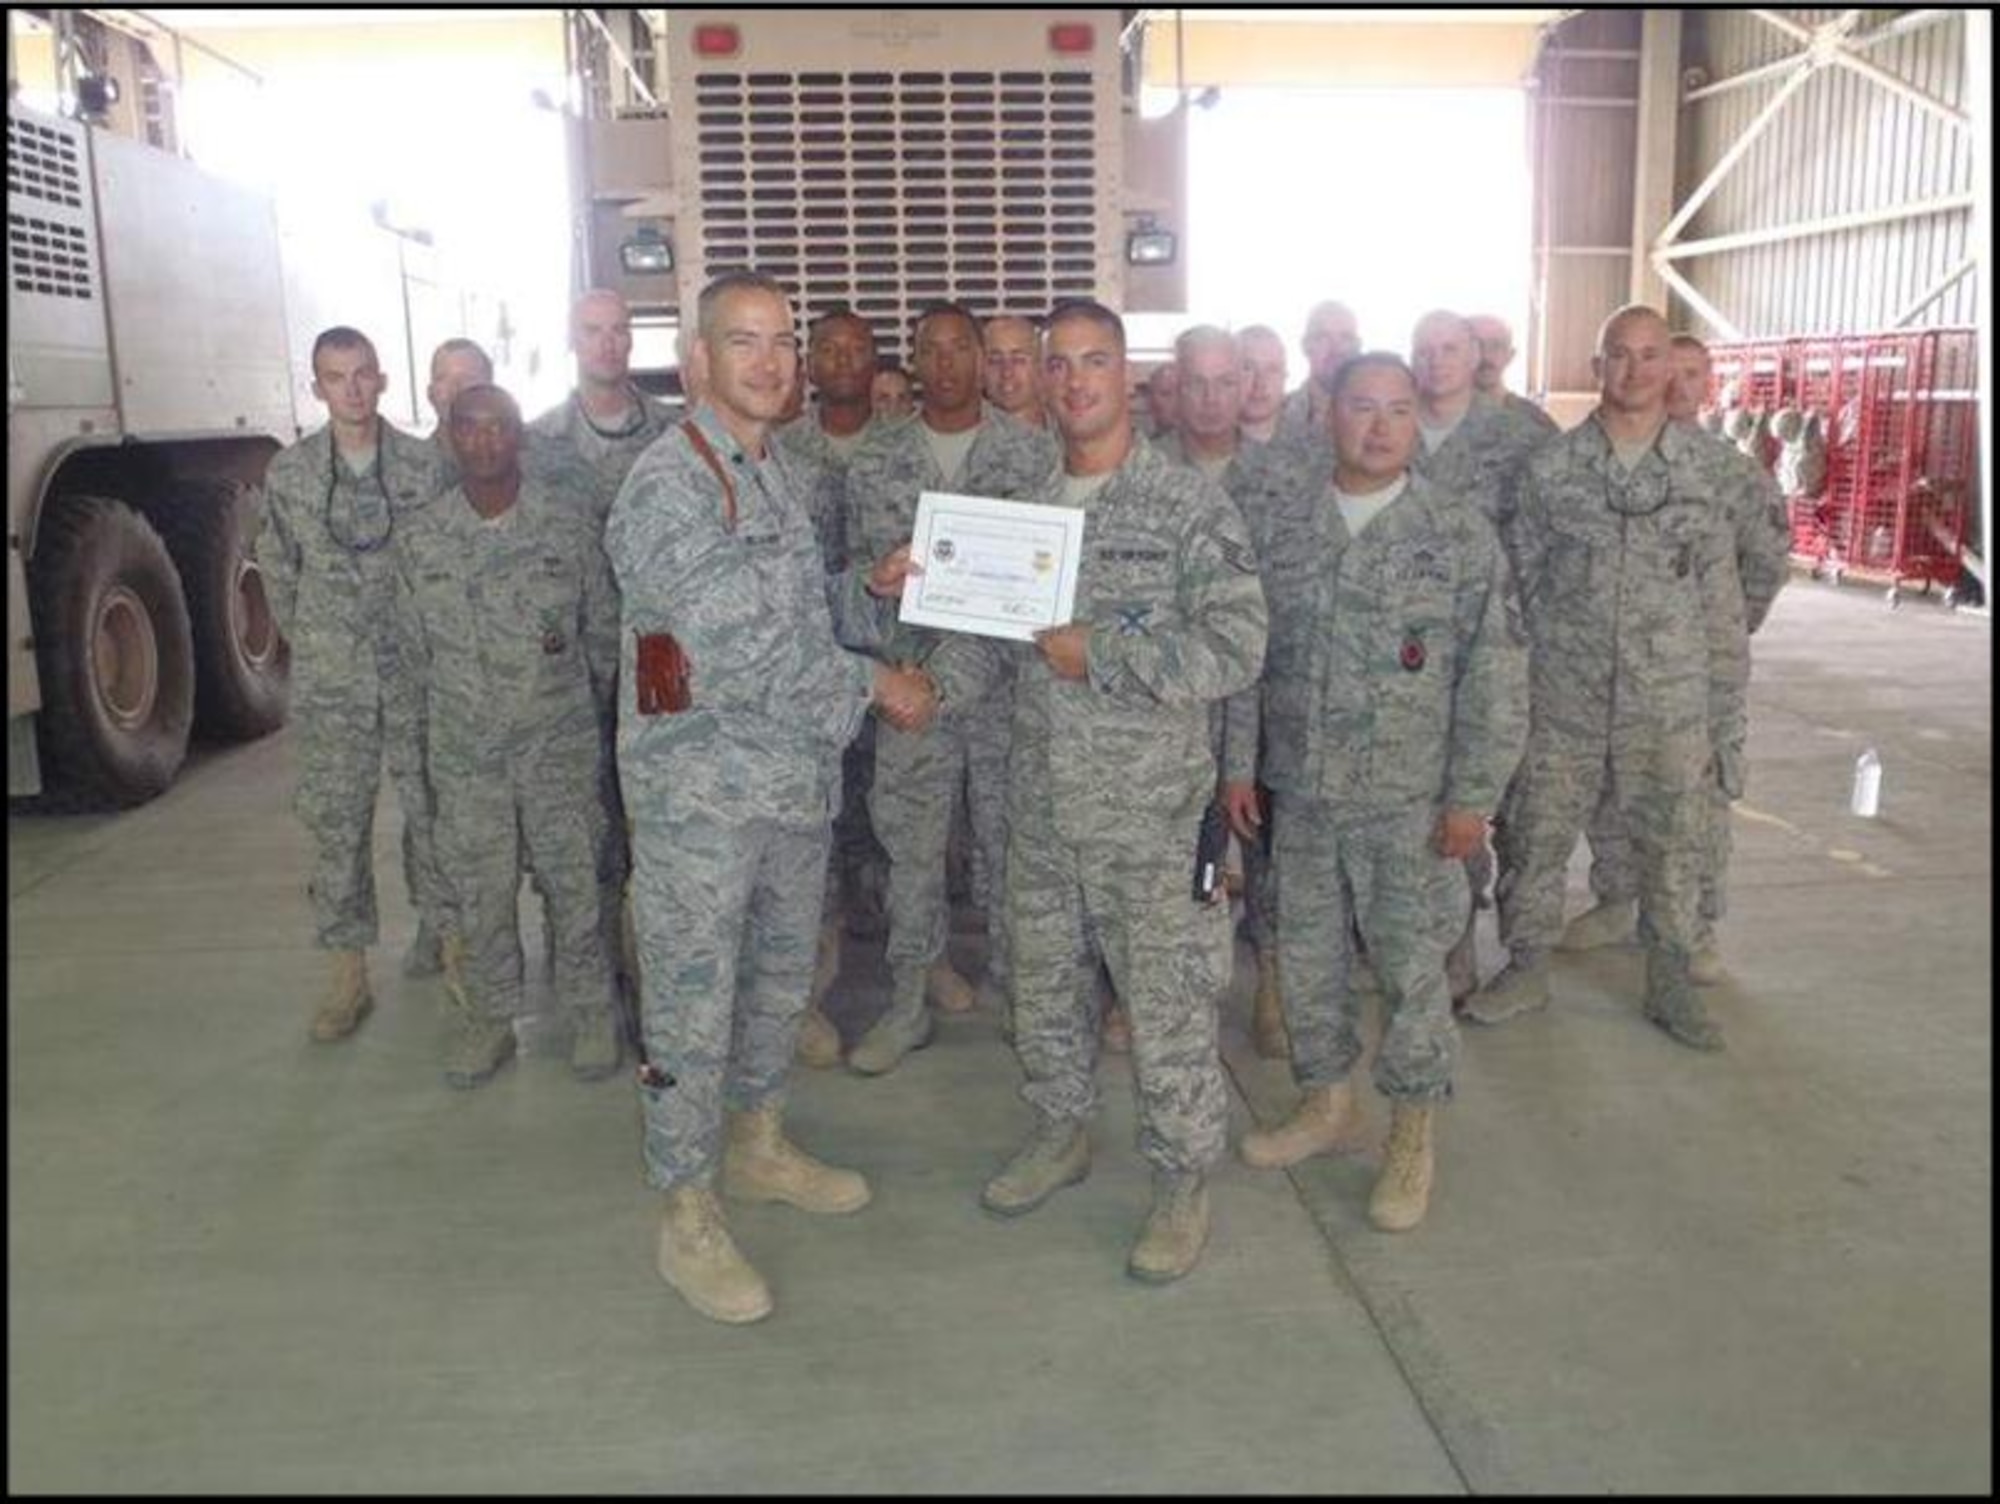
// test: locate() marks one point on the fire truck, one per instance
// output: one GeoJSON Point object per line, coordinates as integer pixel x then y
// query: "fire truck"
{"type": "Point", "coordinates": [878, 160]}
{"type": "Point", "coordinates": [159, 323]}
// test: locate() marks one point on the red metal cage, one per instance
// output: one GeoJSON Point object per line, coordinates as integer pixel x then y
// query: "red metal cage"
{"type": "Point", "coordinates": [1899, 412]}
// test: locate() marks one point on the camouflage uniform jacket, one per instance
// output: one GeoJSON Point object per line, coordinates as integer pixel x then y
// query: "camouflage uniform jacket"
{"type": "Point", "coordinates": [774, 697]}
{"type": "Point", "coordinates": [1008, 460]}
{"type": "Point", "coordinates": [1483, 459]}
{"type": "Point", "coordinates": [1303, 417]}
{"type": "Point", "coordinates": [608, 458]}
{"type": "Point", "coordinates": [513, 628]}
{"type": "Point", "coordinates": [821, 468]}
{"type": "Point", "coordinates": [1629, 591]}
{"type": "Point", "coordinates": [1168, 587]}
{"type": "Point", "coordinates": [333, 601]}
{"type": "Point", "coordinates": [1521, 408]}
{"type": "Point", "coordinates": [1762, 528]}
{"type": "Point", "coordinates": [1397, 675]}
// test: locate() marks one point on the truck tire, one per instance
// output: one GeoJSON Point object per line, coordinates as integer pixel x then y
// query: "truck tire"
{"type": "Point", "coordinates": [115, 653]}
{"type": "Point", "coordinates": [242, 685]}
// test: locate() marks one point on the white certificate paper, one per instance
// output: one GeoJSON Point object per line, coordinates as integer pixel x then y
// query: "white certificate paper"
{"type": "Point", "coordinates": [994, 568]}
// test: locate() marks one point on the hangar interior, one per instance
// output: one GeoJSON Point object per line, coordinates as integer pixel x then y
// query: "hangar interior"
{"type": "Point", "coordinates": [240, 1261]}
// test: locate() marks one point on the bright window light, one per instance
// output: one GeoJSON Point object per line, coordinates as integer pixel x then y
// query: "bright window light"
{"type": "Point", "coordinates": [1392, 201]}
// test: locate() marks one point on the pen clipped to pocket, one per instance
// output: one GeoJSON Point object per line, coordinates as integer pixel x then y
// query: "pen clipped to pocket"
{"type": "Point", "coordinates": [662, 673]}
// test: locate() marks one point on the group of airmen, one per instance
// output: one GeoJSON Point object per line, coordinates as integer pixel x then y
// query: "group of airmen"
{"type": "Point", "coordinates": [1404, 635]}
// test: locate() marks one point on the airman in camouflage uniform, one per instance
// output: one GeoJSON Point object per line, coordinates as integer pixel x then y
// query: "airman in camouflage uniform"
{"type": "Point", "coordinates": [1332, 338]}
{"type": "Point", "coordinates": [334, 504]}
{"type": "Point", "coordinates": [1207, 441]}
{"type": "Point", "coordinates": [600, 430]}
{"type": "Point", "coordinates": [1763, 539]}
{"type": "Point", "coordinates": [1475, 451]}
{"type": "Point", "coordinates": [607, 422]}
{"type": "Point", "coordinates": [1396, 705]}
{"type": "Point", "coordinates": [734, 704]}
{"type": "Point", "coordinates": [918, 777]}
{"type": "Point", "coordinates": [1111, 773]}
{"type": "Point", "coordinates": [506, 608]}
{"type": "Point", "coordinates": [841, 358]}
{"type": "Point", "coordinates": [1496, 353]}
{"type": "Point", "coordinates": [1639, 670]}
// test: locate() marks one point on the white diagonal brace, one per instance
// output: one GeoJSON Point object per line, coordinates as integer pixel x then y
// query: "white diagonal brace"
{"type": "Point", "coordinates": [1916, 20]}
{"type": "Point", "coordinates": [1951, 115]}
{"type": "Point", "coordinates": [1937, 290]}
{"type": "Point", "coordinates": [1694, 299]}
{"type": "Point", "coordinates": [1806, 68]}
{"type": "Point", "coordinates": [1859, 219]}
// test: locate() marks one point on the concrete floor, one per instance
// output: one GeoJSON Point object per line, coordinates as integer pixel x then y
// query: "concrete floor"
{"type": "Point", "coordinates": [238, 1261]}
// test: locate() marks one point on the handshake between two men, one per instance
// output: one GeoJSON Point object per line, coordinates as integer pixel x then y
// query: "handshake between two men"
{"type": "Point", "coordinates": [906, 696]}
{"type": "Point", "coordinates": [903, 694]}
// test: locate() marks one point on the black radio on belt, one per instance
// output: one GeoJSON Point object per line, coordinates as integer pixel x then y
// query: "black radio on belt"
{"type": "Point", "coordinates": [1211, 844]}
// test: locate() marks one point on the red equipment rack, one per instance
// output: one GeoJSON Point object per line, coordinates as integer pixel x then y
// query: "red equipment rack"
{"type": "Point", "coordinates": [1899, 411]}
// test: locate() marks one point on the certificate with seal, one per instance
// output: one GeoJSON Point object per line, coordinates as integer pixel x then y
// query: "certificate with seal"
{"type": "Point", "coordinates": [994, 568]}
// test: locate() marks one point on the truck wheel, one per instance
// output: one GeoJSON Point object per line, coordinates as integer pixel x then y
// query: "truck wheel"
{"type": "Point", "coordinates": [115, 653]}
{"type": "Point", "coordinates": [242, 685]}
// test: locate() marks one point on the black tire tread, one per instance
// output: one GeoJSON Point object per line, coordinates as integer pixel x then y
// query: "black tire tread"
{"type": "Point", "coordinates": [76, 774]}
{"type": "Point", "coordinates": [201, 521]}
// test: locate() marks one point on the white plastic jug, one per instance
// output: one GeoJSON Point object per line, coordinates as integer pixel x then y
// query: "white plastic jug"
{"type": "Point", "coordinates": [1867, 800]}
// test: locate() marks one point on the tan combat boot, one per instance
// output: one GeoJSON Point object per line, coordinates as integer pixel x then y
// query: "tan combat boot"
{"type": "Point", "coordinates": [760, 1164]}
{"type": "Point", "coordinates": [818, 1043]}
{"type": "Point", "coordinates": [1521, 987]}
{"type": "Point", "coordinates": [1267, 1011]}
{"type": "Point", "coordinates": [1326, 1121]}
{"type": "Point", "coordinates": [950, 991]}
{"type": "Point", "coordinates": [1176, 1229]}
{"type": "Point", "coordinates": [700, 1260]}
{"type": "Point", "coordinates": [479, 1045]}
{"type": "Point", "coordinates": [1055, 1155]}
{"type": "Point", "coordinates": [1403, 1191]}
{"type": "Point", "coordinates": [1705, 968]}
{"type": "Point", "coordinates": [906, 1026]}
{"type": "Point", "coordinates": [346, 1001]}
{"type": "Point", "coordinates": [1611, 921]}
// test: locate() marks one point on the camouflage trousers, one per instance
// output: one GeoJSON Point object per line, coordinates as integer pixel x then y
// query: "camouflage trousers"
{"type": "Point", "coordinates": [1376, 872]}
{"type": "Point", "coordinates": [1129, 897]}
{"type": "Point", "coordinates": [343, 741]}
{"type": "Point", "coordinates": [1614, 870]}
{"type": "Point", "coordinates": [728, 919]}
{"type": "Point", "coordinates": [918, 782]}
{"type": "Point", "coordinates": [1260, 891]}
{"type": "Point", "coordinates": [1657, 786]}
{"type": "Point", "coordinates": [858, 861]}
{"type": "Point", "coordinates": [495, 819]}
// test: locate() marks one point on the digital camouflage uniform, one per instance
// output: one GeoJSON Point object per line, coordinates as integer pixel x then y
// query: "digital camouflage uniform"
{"type": "Point", "coordinates": [327, 547]}
{"type": "Point", "coordinates": [732, 798]}
{"type": "Point", "coordinates": [1395, 688]}
{"type": "Point", "coordinates": [920, 777]}
{"type": "Point", "coordinates": [514, 627]}
{"type": "Point", "coordinates": [1639, 670]}
{"type": "Point", "coordinates": [858, 862]}
{"type": "Point", "coordinates": [1302, 419]}
{"type": "Point", "coordinates": [571, 445]}
{"type": "Point", "coordinates": [1482, 461]}
{"type": "Point", "coordinates": [609, 456]}
{"type": "Point", "coordinates": [1525, 409]}
{"type": "Point", "coordinates": [1763, 541]}
{"type": "Point", "coordinates": [1233, 732]}
{"type": "Point", "coordinates": [1107, 783]}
